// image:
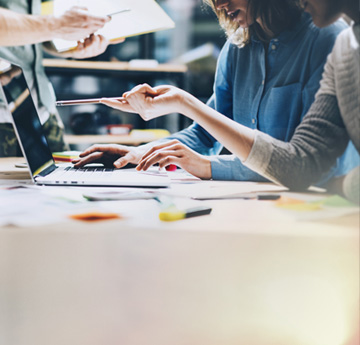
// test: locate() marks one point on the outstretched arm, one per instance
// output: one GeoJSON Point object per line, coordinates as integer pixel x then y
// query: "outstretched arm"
{"type": "Point", "coordinates": [21, 29]}
{"type": "Point", "coordinates": [151, 102]}
{"type": "Point", "coordinates": [317, 141]}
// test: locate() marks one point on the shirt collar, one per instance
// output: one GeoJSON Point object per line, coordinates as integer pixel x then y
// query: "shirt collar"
{"type": "Point", "coordinates": [287, 36]}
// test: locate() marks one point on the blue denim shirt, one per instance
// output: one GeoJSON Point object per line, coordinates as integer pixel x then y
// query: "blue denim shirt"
{"type": "Point", "coordinates": [269, 90]}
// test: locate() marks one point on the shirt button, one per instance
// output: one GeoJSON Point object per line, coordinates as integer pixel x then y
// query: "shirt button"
{"type": "Point", "coordinates": [273, 47]}
{"type": "Point", "coordinates": [263, 82]}
{"type": "Point", "coordinates": [253, 121]}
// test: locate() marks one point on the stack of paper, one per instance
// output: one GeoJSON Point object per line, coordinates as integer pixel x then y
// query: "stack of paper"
{"type": "Point", "coordinates": [65, 156]}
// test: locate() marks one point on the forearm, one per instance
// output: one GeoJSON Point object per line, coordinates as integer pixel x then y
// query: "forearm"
{"type": "Point", "coordinates": [198, 140]}
{"type": "Point", "coordinates": [75, 24]}
{"type": "Point", "coordinates": [237, 138]}
{"type": "Point", "coordinates": [21, 29]}
{"type": "Point", "coordinates": [317, 142]}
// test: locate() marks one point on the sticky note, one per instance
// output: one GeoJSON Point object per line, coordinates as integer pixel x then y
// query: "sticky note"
{"type": "Point", "coordinates": [297, 205]}
{"type": "Point", "coordinates": [94, 216]}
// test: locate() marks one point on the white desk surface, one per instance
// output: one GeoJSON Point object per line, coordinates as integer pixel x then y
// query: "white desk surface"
{"type": "Point", "coordinates": [249, 273]}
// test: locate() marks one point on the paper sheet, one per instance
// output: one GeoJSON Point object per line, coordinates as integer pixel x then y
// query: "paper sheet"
{"type": "Point", "coordinates": [212, 190]}
{"type": "Point", "coordinates": [144, 16]}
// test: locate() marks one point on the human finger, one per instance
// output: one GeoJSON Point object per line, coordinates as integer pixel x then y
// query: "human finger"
{"type": "Point", "coordinates": [159, 147]}
{"type": "Point", "coordinates": [166, 161]}
{"type": "Point", "coordinates": [91, 40]}
{"type": "Point", "coordinates": [91, 158]}
{"type": "Point", "coordinates": [156, 157]}
{"type": "Point", "coordinates": [120, 104]}
{"type": "Point", "coordinates": [77, 23]}
{"type": "Point", "coordinates": [94, 45]}
{"type": "Point", "coordinates": [88, 17]}
{"type": "Point", "coordinates": [122, 161]}
{"type": "Point", "coordinates": [140, 89]}
{"type": "Point", "coordinates": [80, 46]}
{"type": "Point", "coordinates": [99, 148]}
{"type": "Point", "coordinates": [170, 160]}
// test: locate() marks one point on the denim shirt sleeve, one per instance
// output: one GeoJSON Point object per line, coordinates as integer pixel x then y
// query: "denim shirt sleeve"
{"type": "Point", "coordinates": [195, 136]}
{"type": "Point", "coordinates": [230, 168]}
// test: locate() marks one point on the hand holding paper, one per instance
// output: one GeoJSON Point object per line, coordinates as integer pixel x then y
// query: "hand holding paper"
{"type": "Point", "coordinates": [77, 23]}
{"type": "Point", "coordinates": [128, 18]}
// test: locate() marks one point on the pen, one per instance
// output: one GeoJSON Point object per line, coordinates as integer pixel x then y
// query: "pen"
{"type": "Point", "coordinates": [268, 196]}
{"type": "Point", "coordinates": [85, 101]}
{"type": "Point", "coordinates": [118, 12]}
{"type": "Point", "coordinates": [172, 213]}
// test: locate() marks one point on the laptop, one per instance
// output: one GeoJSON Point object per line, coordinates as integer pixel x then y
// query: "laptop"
{"type": "Point", "coordinates": [15, 98]}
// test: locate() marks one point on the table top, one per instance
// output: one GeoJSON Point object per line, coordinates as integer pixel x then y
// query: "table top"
{"type": "Point", "coordinates": [249, 266]}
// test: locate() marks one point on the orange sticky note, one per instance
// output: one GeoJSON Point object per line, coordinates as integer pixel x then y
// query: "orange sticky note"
{"type": "Point", "coordinates": [94, 216]}
{"type": "Point", "coordinates": [284, 200]}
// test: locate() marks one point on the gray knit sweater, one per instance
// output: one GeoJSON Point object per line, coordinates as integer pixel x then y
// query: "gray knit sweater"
{"type": "Point", "coordinates": [322, 136]}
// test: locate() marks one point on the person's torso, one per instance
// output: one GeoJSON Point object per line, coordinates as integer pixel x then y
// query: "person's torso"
{"type": "Point", "coordinates": [265, 90]}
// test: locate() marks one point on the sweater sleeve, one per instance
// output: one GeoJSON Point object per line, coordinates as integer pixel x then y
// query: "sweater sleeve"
{"type": "Point", "coordinates": [313, 149]}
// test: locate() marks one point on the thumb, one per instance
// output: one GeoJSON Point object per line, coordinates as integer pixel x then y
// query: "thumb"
{"type": "Point", "coordinates": [121, 162]}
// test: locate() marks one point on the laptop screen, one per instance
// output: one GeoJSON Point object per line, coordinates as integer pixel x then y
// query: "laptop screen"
{"type": "Point", "coordinates": [16, 94]}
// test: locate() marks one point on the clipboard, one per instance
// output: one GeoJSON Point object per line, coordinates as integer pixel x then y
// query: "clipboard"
{"type": "Point", "coordinates": [131, 18]}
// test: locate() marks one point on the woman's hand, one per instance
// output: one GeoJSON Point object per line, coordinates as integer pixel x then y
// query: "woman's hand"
{"type": "Point", "coordinates": [91, 46]}
{"type": "Point", "coordinates": [109, 155]}
{"type": "Point", "coordinates": [174, 152]}
{"type": "Point", "coordinates": [150, 102]}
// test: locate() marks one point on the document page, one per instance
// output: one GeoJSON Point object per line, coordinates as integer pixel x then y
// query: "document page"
{"type": "Point", "coordinates": [129, 18]}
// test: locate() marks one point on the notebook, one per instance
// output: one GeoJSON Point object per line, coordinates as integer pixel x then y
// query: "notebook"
{"type": "Point", "coordinates": [15, 97]}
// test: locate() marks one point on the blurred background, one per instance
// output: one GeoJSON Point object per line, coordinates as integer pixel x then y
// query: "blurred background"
{"type": "Point", "coordinates": [194, 43]}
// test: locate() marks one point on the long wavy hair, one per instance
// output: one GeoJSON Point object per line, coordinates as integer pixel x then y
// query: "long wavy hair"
{"type": "Point", "coordinates": [275, 16]}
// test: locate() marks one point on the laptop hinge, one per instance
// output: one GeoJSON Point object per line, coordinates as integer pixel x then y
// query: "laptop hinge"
{"type": "Point", "coordinates": [47, 171]}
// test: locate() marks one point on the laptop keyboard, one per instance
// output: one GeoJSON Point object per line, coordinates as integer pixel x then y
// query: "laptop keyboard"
{"type": "Point", "coordinates": [100, 176]}
{"type": "Point", "coordinates": [82, 174]}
